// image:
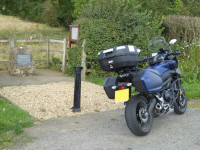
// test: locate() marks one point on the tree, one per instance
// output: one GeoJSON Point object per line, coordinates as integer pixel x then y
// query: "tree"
{"type": "Point", "coordinates": [11, 7]}
{"type": "Point", "coordinates": [78, 5]}
{"type": "Point", "coordinates": [65, 11]}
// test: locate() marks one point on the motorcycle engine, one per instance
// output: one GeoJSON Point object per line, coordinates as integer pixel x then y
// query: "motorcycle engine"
{"type": "Point", "coordinates": [168, 95]}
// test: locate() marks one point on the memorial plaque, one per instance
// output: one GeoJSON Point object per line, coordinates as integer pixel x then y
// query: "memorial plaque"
{"type": "Point", "coordinates": [23, 60]}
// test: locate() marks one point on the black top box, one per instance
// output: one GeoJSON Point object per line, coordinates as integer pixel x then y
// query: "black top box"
{"type": "Point", "coordinates": [118, 58]}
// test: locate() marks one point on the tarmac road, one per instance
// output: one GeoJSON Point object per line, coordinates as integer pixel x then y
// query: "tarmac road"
{"type": "Point", "coordinates": [108, 130]}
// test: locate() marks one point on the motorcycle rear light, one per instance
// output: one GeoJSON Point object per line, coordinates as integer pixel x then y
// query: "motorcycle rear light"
{"type": "Point", "coordinates": [121, 87]}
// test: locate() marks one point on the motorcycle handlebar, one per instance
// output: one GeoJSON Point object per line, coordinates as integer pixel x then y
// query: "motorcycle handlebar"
{"type": "Point", "coordinates": [177, 52]}
{"type": "Point", "coordinates": [169, 52]}
{"type": "Point", "coordinates": [143, 60]}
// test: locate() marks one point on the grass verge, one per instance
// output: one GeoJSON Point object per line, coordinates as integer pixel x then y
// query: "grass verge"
{"type": "Point", "coordinates": [194, 103]}
{"type": "Point", "coordinates": [95, 80]}
{"type": "Point", "coordinates": [192, 90]}
{"type": "Point", "coordinates": [12, 122]}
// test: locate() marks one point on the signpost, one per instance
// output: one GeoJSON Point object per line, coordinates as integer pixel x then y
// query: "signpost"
{"type": "Point", "coordinates": [73, 34]}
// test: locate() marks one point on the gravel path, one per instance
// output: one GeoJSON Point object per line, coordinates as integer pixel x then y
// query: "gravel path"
{"type": "Point", "coordinates": [45, 95]}
{"type": "Point", "coordinates": [56, 99]}
{"type": "Point", "coordinates": [108, 131]}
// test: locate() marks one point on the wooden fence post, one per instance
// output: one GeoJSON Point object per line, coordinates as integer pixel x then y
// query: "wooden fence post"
{"type": "Point", "coordinates": [64, 55]}
{"type": "Point", "coordinates": [11, 42]}
{"type": "Point", "coordinates": [83, 61]}
{"type": "Point", "coordinates": [47, 46]}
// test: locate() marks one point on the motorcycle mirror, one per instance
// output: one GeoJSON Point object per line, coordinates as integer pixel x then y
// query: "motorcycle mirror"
{"type": "Point", "coordinates": [154, 54]}
{"type": "Point", "coordinates": [173, 41]}
{"type": "Point", "coordinates": [139, 50]}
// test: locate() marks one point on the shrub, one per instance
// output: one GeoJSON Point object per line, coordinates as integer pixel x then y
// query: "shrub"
{"type": "Point", "coordinates": [55, 64]}
{"type": "Point", "coordinates": [29, 9]}
{"type": "Point", "coordinates": [74, 55]}
{"type": "Point", "coordinates": [58, 12]}
{"type": "Point", "coordinates": [184, 28]}
{"type": "Point", "coordinates": [189, 61]}
{"type": "Point", "coordinates": [169, 7]}
{"type": "Point", "coordinates": [32, 10]}
{"type": "Point", "coordinates": [105, 24]}
{"type": "Point", "coordinates": [78, 5]}
{"type": "Point", "coordinates": [64, 13]}
{"type": "Point", "coordinates": [49, 13]}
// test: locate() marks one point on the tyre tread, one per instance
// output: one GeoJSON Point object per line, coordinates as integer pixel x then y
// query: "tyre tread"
{"type": "Point", "coordinates": [130, 120]}
{"type": "Point", "coordinates": [177, 110]}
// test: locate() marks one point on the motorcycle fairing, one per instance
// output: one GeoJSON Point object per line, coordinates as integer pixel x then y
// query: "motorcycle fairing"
{"type": "Point", "coordinates": [163, 66]}
{"type": "Point", "coordinates": [152, 76]}
{"type": "Point", "coordinates": [152, 80]}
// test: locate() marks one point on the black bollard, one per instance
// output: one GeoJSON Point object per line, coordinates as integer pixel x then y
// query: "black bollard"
{"type": "Point", "coordinates": [77, 89]}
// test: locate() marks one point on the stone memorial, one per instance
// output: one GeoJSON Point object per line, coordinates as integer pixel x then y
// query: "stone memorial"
{"type": "Point", "coordinates": [21, 62]}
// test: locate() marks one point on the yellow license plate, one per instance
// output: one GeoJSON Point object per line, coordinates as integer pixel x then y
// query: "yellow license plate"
{"type": "Point", "coordinates": [122, 95]}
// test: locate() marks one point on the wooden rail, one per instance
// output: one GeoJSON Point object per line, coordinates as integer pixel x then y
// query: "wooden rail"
{"type": "Point", "coordinates": [4, 61]}
{"type": "Point", "coordinates": [4, 41]}
{"type": "Point", "coordinates": [11, 43]}
{"type": "Point", "coordinates": [3, 51]}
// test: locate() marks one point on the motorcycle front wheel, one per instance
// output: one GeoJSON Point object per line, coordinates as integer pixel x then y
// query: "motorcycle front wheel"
{"type": "Point", "coordinates": [138, 120]}
{"type": "Point", "coordinates": [180, 104]}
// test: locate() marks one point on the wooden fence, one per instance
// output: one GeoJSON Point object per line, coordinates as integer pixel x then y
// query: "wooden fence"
{"type": "Point", "coordinates": [11, 43]}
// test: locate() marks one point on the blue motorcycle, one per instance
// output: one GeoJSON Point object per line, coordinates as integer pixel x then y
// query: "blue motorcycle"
{"type": "Point", "coordinates": [159, 85]}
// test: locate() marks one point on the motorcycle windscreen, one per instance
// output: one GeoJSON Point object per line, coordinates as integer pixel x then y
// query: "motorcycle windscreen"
{"type": "Point", "coordinates": [152, 80]}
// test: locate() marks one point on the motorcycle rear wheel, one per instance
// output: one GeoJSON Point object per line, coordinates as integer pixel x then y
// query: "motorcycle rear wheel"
{"type": "Point", "coordinates": [138, 120]}
{"type": "Point", "coordinates": [180, 104]}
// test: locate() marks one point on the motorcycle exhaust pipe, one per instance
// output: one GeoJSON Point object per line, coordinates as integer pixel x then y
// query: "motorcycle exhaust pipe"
{"type": "Point", "coordinates": [158, 107]}
{"type": "Point", "coordinates": [152, 104]}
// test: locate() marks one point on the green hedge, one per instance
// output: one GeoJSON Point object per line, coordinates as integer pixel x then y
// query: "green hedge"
{"type": "Point", "coordinates": [184, 28]}
{"type": "Point", "coordinates": [74, 59]}
{"type": "Point", "coordinates": [106, 24]}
